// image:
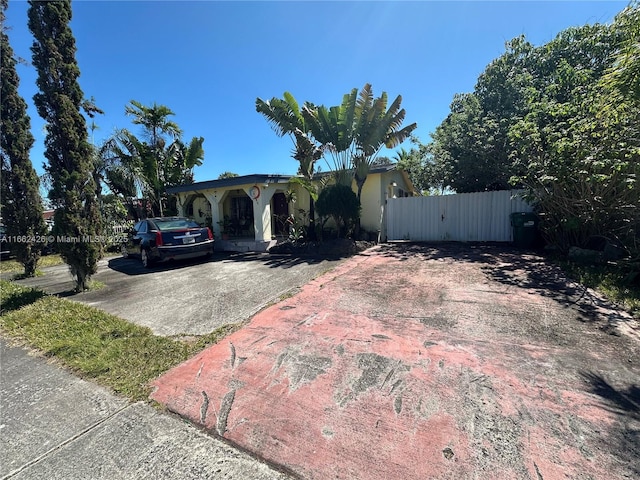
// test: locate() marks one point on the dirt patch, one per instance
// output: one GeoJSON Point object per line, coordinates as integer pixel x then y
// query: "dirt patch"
{"type": "Point", "coordinates": [420, 361]}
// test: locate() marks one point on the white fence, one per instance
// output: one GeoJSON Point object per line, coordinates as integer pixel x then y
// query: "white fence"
{"type": "Point", "coordinates": [464, 217]}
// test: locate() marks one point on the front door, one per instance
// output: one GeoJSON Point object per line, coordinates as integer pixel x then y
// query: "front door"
{"type": "Point", "coordinates": [280, 213]}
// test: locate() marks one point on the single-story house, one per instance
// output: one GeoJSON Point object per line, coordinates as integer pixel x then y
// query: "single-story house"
{"type": "Point", "coordinates": [48, 216]}
{"type": "Point", "coordinates": [252, 210]}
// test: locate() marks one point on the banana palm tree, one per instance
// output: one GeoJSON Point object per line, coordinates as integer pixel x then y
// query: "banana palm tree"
{"type": "Point", "coordinates": [334, 128]}
{"type": "Point", "coordinates": [375, 127]}
{"type": "Point", "coordinates": [285, 118]}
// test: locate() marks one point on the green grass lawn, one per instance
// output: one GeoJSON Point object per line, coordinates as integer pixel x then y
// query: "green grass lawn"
{"type": "Point", "coordinates": [94, 344]}
{"type": "Point", "coordinates": [13, 266]}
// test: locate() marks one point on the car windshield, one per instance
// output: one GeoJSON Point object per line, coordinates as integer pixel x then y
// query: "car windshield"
{"type": "Point", "coordinates": [175, 224]}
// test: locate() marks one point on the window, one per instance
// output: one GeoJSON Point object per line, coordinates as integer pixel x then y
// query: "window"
{"type": "Point", "coordinates": [175, 224]}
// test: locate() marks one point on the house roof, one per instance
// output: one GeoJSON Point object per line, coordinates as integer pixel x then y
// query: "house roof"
{"type": "Point", "coordinates": [380, 169]}
{"type": "Point", "coordinates": [231, 182]}
{"type": "Point", "coordinates": [375, 169]}
{"type": "Point", "coordinates": [257, 178]}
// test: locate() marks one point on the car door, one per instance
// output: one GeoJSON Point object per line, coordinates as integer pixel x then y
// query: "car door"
{"type": "Point", "coordinates": [133, 239]}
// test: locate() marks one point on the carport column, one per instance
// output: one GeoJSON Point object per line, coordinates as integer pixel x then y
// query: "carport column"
{"type": "Point", "coordinates": [181, 199]}
{"type": "Point", "coordinates": [261, 210]}
{"type": "Point", "coordinates": [216, 212]}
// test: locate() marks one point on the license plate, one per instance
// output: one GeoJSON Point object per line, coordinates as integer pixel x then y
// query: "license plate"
{"type": "Point", "coordinates": [189, 240]}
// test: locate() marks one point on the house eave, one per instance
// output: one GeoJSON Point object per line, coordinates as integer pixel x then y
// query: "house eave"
{"type": "Point", "coordinates": [231, 182]}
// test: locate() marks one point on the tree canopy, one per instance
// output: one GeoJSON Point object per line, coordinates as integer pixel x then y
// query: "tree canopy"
{"type": "Point", "coordinates": [22, 204]}
{"type": "Point", "coordinates": [69, 155]}
{"type": "Point", "coordinates": [145, 165]}
{"type": "Point", "coordinates": [285, 117]}
{"type": "Point", "coordinates": [560, 120]}
{"type": "Point", "coordinates": [352, 133]}
{"type": "Point", "coordinates": [355, 131]}
{"type": "Point", "coordinates": [227, 174]}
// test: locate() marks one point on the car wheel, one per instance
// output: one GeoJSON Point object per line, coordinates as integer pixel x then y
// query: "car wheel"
{"type": "Point", "coordinates": [124, 251]}
{"type": "Point", "coordinates": [146, 259]}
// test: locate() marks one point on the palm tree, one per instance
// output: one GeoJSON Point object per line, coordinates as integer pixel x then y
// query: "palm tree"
{"type": "Point", "coordinates": [356, 130]}
{"type": "Point", "coordinates": [376, 126]}
{"type": "Point", "coordinates": [124, 166]}
{"type": "Point", "coordinates": [286, 118]}
{"type": "Point", "coordinates": [402, 156]}
{"type": "Point", "coordinates": [334, 128]}
{"type": "Point", "coordinates": [157, 126]}
{"type": "Point", "coordinates": [131, 168]}
{"type": "Point", "coordinates": [181, 160]}
{"type": "Point", "coordinates": [227, 174]}
{"type": "Point", "coordinates": [155, 121]}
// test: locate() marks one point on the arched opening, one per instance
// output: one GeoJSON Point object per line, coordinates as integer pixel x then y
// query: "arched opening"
{"type": "Point", "coordinates": [238, 215]}
{"type": "Point", "coordinates": [198, 208]}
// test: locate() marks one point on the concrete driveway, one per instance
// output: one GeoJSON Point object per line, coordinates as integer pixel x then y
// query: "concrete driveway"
{"type": "Point", "coordinates": [188, 298]}
{"type": "Point", "coordinates": [415, 361]}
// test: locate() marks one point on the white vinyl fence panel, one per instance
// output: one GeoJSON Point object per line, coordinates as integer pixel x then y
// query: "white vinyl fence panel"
{"type": "Point", "coordinates": [463, 217]}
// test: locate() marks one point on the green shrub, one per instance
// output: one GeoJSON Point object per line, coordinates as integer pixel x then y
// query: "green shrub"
{"type": "Point", "coordinates": [340, 203]}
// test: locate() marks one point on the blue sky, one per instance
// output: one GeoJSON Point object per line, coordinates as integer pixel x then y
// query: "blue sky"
{"type": "Point", "coordinates": [209, 60]}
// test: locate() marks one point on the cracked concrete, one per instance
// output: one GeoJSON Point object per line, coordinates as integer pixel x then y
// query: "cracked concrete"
{"type": "Point", "coordinates": [417, 361]}
{"type": "Point", "coordinates": [300, 369]}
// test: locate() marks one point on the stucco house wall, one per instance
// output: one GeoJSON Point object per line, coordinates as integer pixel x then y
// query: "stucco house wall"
{"type": "Point", "coordinates": [382, 183]}
{"type": "Point", "coordinates": [250, 203]}
{"type": "Point", "coordinates": [266, 198]}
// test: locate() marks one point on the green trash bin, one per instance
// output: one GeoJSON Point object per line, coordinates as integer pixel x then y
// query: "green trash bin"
{"type": "Point", "coordinates": [525, 229]}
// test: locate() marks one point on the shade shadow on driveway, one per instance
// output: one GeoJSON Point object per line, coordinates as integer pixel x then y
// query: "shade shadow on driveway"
{"type": "Point", "coordinates": [423, 361]}
{"type": "Point", "coordinates": [133, 266]}
{"type": "Point", "coordinates": [515, 267]}
{"type": "Point", "coordinates": [188, 298]}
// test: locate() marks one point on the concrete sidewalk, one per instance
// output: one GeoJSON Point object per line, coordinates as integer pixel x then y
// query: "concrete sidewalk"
{"type": "Point", "coordinates": [54, 425]}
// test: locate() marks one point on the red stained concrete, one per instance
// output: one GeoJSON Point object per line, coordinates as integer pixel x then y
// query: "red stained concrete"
{"type": "Point", "coordinates": [414, 362]}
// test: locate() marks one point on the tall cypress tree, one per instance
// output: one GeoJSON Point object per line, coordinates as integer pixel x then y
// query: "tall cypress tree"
{"type": "Point", "coordinates": [22, 204]}
{"type": "Point", "coordinates": [73, 190]}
